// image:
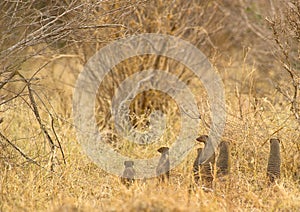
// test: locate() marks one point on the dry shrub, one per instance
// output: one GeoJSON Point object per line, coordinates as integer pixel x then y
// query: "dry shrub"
{"type": "Point", "coordinates": [286, 33]}
{"type": "Point", "coordinates": [34, 36]}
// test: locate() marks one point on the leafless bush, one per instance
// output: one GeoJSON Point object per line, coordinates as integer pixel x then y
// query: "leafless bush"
{"type": "Point", "coordinates": [196, 21]}
{"type": "Point", "coordinates": [32, 29]}
{"type": "Point", "coordinates": [286, 33]}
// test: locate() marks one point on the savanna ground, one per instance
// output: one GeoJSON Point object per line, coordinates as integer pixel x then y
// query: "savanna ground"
{"type": "Point", "coordinates": [254, 47]}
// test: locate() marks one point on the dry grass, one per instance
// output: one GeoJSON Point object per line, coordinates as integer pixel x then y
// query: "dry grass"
{"type": "Point", "coordinates": [80, 185]}
{"type": "Point", "coordinates": [256, 112]}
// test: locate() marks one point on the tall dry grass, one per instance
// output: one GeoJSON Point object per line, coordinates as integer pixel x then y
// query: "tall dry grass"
{"type": "Point", "coordinates": [82, 186]}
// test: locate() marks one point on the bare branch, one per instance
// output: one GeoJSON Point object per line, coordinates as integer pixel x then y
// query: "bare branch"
{"type": "Point", "coordinates": [19, 150]}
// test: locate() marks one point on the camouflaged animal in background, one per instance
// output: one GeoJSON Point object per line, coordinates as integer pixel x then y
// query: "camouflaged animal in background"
{"type": "Point", "coordinates": [163, 167]}
{"type": "Point", "coordinates": [128, 173]}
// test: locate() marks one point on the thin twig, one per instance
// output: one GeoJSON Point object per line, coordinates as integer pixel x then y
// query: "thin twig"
{"type": "Point", "coordinates": [19, 150]}
{"type": "Point", "coordinates": [57, 139]}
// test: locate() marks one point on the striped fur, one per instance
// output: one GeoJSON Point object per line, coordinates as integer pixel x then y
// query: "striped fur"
{"type": "Point", "coordinates": [273, 169]}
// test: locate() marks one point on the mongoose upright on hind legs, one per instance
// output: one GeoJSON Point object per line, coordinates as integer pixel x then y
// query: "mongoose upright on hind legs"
{"type": "Point", "coordinates": [128, 173]}
{"type": "Point", "coordinates": [163, 167]}
{"type": "Point", "coordinates": [273, 169]}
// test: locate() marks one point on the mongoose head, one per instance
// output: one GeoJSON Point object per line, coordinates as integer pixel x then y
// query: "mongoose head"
{"type": "Point", "coordinates": [163, 149]}
{"type": "Point", "coordinates": [128, 163]}
{"type": "Point", "coordinates": [202, 138]}
{"type": "Point", "coordinates": [272, 140]}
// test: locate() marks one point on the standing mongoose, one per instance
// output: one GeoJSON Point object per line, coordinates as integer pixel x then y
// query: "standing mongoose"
{"type": "Point", "coordinates": [196, 166]}
{"type": "Point", "coordinates": [163, 167]}
{"type": "Point", "coordinates": [207, 168]}
{"type": "Point", "coordinates": [128, 173]}
{"type": "Point", "coordinates": [223, 159]}
{"type": "Point", "coordinates": [273, 169]}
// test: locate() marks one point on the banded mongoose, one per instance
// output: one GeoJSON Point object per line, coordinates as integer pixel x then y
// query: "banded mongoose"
{"type": "Point", "coordinates": [163, 167]}
{"type": "Point", "coordinates": [273, 169]}
{"type": "Point", "coordinates": [128, 173]}
{"type": "Point", "coordinates": [223, 159]}
{"type": "Point", "coordinates": [196, 166]}
{"type": "Point", "coordinates": [206, 169]}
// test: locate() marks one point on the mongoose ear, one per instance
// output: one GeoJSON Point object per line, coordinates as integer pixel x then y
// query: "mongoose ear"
{"type": "Point", "coordinates": [128, 163]}
{"type": "Point", "coordinates": [202, 138]}
{"type": "Point", "coordinates": [163, 149]}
